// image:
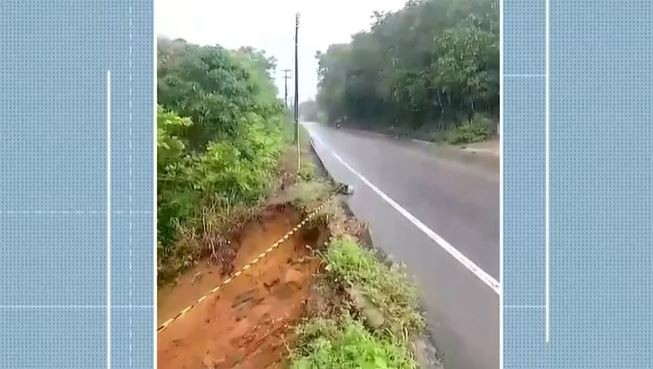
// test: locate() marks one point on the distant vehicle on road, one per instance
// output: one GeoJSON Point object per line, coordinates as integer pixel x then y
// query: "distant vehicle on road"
{"type": "Point", "coordinates": [339, 121]}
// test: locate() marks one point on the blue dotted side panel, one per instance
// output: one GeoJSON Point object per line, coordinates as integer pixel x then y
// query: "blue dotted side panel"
{"type": "Point", "coordinates": [54, 58]}
{"type": "Point", "coordinates": [601, 184]}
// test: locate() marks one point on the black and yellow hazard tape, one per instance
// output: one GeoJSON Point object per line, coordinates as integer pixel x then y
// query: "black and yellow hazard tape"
{"type": "Point", "coordinates": [262, 255]}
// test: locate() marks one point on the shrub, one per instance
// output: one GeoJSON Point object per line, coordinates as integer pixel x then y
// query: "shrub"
{"type": "Point", "coordinates": [176, 197]}
{"type": "Point", "coordinates": [241, 170]}
{"type": "Point", "coordinates": [476, 130]}
{"type": "Point", "coordinates": [346, 344]}
{"type": "Point", "coordinates": [219, 140]}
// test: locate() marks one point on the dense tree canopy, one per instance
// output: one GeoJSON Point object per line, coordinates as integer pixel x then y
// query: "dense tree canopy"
{"type": "Point", "coordinates": [219, 139]}
{"type": "Point", "coordinates": [432, 62]}
{"type": "Point", "coordinates": [215, 87]}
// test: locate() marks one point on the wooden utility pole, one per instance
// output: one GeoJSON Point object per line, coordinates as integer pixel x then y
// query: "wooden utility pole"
{"type": "Point", "coordinates": [285, 85]}
{"type": "Point", "coordinates": [296, 81]}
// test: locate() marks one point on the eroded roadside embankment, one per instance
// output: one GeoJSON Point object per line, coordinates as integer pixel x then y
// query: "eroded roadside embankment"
{"type": "Point", "coordinates": [248, 323]}
{"type": "Point", "coordinates": [307, 304]}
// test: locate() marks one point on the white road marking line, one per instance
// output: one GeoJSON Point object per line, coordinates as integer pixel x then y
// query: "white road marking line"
{"type": "Point", "coordinates": [470, 265]}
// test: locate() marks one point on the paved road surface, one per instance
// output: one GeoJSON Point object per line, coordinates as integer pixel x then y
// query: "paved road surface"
{"type": "Point", "coordinates": [458, 204]}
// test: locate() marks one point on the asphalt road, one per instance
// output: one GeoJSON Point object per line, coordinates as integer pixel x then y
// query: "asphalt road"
{"type": "Point", "coordinates": [441, 220]}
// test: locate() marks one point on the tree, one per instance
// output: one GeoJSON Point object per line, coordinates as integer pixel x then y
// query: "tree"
{"type": "Point", "coordinates": [434, 61]}
{"type": "Point", "coordinates": [219, 139]}
{"type": "Point", "coordinates": [215, 87]}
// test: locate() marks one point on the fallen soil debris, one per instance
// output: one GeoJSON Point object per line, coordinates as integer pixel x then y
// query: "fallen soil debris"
{"type": "Point", "coordinates": [247, 324]}
{"type": "Point", "coordinates": [322, 300]}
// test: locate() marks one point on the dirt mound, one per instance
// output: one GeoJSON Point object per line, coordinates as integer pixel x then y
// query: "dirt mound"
{"type": "Point", "coordinates": [246, 325]}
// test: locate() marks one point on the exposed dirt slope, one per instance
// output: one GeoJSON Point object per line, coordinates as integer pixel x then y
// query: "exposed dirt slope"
{"type": "Point", "coordinates": [246, 325]}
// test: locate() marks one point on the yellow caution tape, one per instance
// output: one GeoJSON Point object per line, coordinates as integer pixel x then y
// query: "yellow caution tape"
{"type": "Point", "coordinates": [262, 255]}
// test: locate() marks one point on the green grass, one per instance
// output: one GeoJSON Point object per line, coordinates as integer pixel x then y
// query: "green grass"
{"type": "Point", "coordinates": [289, 133]}
{"type": "Point", "coordinates": [388, 288]}
{"type": "Point", "coordinates": [477, 130]}
{"type": "Point", "coordinates": [307, 168]}
{"type": "Point", "coordinates": [304, 137]}
{"type": "Point", "coordinates": [309, 195]}
{"type": "Point", "coordinates": [346, 344]}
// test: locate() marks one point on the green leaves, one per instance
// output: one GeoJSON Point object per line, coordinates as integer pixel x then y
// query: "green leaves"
{"type": "Point", "coordinates": [434, 60]}
{"type": "Point", "coordinates": [241, 170]}
{"type": "Point", "coordinates": [215, 87]}
{"type": "Point", "coordinates": [465, 66]}
{"type": "Point", "coordinates": [218, 137]}
{"type": "Point", "coordinates": [476, 130]}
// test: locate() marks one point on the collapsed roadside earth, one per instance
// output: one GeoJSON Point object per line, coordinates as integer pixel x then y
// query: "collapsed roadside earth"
{"type": "Point", "coordinates": [255, 250]}
{"type": "Point", "coordinates": [320, 298]}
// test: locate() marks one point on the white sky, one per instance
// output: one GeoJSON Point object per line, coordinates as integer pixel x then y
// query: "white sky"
{"type": "Point", "coordinates": [270, 25]}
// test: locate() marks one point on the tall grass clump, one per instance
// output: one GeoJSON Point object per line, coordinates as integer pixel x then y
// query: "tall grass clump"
{"type": "Point", "coordinates": [345, 343]}
{"type": "Point", "coordinates": [388, 288]}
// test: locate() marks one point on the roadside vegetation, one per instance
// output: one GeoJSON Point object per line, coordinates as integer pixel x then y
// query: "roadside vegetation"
{"type": "Point", "coordinates": [368, 312]}
{"type": "Point", "coordinates": [374, 285]}
{"type": "Point", "coordinates": [346, 343]}
{"type": "Point", "coordinates": [429, 70]}
{"type": "Point", "coordinates": [374, 317]}
{"type": "Point", "coordinates": [220, 137]}
{"type": "Point", "coordinates": [224, 154]}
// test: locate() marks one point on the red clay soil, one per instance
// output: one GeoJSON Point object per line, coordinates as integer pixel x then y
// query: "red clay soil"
{"type": "Point", "coordinates": [247, 324]}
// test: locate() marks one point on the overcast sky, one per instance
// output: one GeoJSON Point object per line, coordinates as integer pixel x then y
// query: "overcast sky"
{"type": "Point", "coordinates": [270, 25]}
